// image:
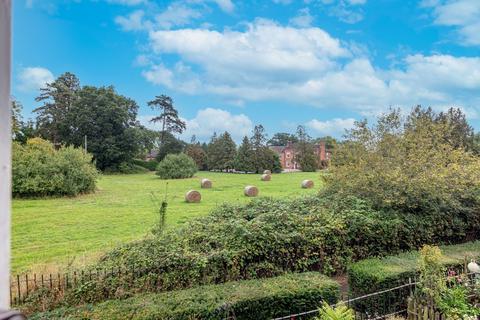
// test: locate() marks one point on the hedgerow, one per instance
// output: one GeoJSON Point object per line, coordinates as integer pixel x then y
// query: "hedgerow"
{"type": "Point", "coordinates": [251, 299]}
{"type": "Point", "coordinates": [265, 238]}
{"type": "Point", "coordinates": [376, 274]}
{"type": "Point", "coordinates": [40, 170]}
{"type": "Point", "coordinates": [151, 165]}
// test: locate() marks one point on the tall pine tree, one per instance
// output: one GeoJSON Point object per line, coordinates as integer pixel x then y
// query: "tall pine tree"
{"type": "Point", "coordinates": [169, 119]}
{"type": "Point", "coordinates": [244, 158]}
{"type": "Point", "coordinates": [58, 98]}
{"type": "Point", "coordinates": [304, 151]}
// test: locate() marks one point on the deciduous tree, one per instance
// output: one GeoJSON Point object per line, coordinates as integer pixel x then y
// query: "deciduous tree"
{"type": "Point", "coordinates": [108, 120]}
{"type": "Point", "coordinates": [195, 151]}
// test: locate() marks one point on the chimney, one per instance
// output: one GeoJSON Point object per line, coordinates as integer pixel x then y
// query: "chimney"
{"type": "Point", "coordinates": [323, 152]}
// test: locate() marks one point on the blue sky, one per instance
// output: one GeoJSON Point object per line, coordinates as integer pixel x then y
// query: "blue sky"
{"type": "Point", "coordinates": [230, 64]}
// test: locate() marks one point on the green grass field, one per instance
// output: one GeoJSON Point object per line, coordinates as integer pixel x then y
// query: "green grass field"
{"type": "Point", "coordinates": [57, 232]}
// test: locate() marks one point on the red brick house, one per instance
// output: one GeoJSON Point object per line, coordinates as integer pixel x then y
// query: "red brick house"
{"type": "Point", "coordinates": [287, 155]}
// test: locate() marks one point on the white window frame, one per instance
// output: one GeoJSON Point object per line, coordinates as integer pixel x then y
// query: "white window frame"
{"type": "Point", "coordinates": [5, 151]}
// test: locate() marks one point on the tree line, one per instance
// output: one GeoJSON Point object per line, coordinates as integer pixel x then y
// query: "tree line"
{"type": "Point", "coordinates": [105, 123]}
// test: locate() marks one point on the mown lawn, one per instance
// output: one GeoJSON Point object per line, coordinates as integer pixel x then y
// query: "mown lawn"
{"type": "Point", "coordinates": [58, 232]}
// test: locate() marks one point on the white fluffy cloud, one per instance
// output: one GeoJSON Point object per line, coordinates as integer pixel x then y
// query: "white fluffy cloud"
{"type": "Point", "coordinates": [271, 62]}
{"type": "Point", "coordinates": [132, 22]}
{"type": "Point", "coordinates": [334, 127]}
{"type": "Point", "coordinates": [303, 19]}
{"type": "Point", "coordinates": [265, 53]}
{"type": "Point", "coordinates": [160, 75]}
{"type": "Point", "coordinates": [462, 14]}
{"type": "Point", "coordinates": [226, 5]}
{"type": "Point", "coordinates": [211, 120]}
{"type": "Point", "coordinates": [176, 14]}
{"type": "Point", "coordinates": [31, 79]}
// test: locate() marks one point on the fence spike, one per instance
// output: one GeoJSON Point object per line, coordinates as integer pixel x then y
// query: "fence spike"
{"type": "Point", "coordinates": [18, 289]}
{"type": "Point", "coordinates": [26, 282]}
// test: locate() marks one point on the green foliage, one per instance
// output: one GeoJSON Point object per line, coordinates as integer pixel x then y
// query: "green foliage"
{"type": "Point", "coordinates": [168, 117]}
{"type": "Point", "coordinates": [330, 142]}
{"type": "Point", "coordinates": [58, 97]}
{"type": "Point", "coordinates": [282, 139]}
{"type": "Point", "coordinates": [265, 238]}
{"type": "Point", "coordinates": [151, 165]}
{"type": "Point", "coordinates": [40, 170]}
{"type": "Point", "coordinates": [453, 302]}
{"type": "Point", "coordinates": [252, 299]}
{"type": "Point", "coordinates": [170, 145]}
{"type": "Point", "coordinates": [432, 288]}
{"type": "Point", "coordinates": [159, 227]}
{"type": "Point", "coordinates": [130, 168]}
{"type": "Point", "coordinates": [244, 157]}
{"type": "Point", "coordinates": [408, 165]}
{"type": "Point", "coordinates": [375, 274]}
{"type": "Point", "coordinates": [176, 166]}
{"type": "Point", "coordinates": [276, 166]}
{"type": "Point", "coordinates": [432, 274]}
{"type": "Point", "coordinates": [195, 151]}
{"type": "Point", "coordinates": [147, 140]}
{"type": "Point", "coordinates": [108, 120]}
{"type": "Point", "coordinates": [16, 117]}
{"type": "Point", "coordinates": [221, 152]}
{"type": "Point", "coordinates": [304, 152]}
{"type": "Point", "coordinates": [340, 312]}
{"type": "Point", "coordinates": [476, 144]}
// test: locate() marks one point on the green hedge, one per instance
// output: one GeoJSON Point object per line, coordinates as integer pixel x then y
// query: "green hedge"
{"type": "Point", "coordinates": [376, 274]}
{"type": "Point", "coordinates": [265, 238]}
{"type": "Point", "coordinates": [250, 299]}
{"type": "Point", "coordinates": [150, 165]}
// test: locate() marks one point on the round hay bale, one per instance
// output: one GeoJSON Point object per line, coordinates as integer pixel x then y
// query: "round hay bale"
{"type": "Point", "coordinates": [307, 184]}
{"type": "Point", "coordinates": [267, 172]}
{"type": "Point", "coordinates": [251, 191]}
{"type": "Point", "coordinates": [206, 184]}
{"type": "Point", "coordinates": [266, 177]}
{"type": "Point", "coordinates": [193, 196]}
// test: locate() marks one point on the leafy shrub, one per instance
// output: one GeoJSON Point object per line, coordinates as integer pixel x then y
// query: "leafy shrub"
{"type": "Point", "coordinates": [176, 166]}
{"type": "Point", "coordinates": [376, 274]}
{"type": "Point", "coordinates": [408, 165]}
{"type": "Point", "coordinates": [340, 312]}
{"type": "Point", "coordinates": [253, 299]}
{"type": "Point", "coordinates": [131, 168]}
{"type": "Point", "coordinates": [151, 165]}
{"type": "Point", "coordinates": [40, 170]}
{"type": "Point", "coordinates": [266, 238]}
